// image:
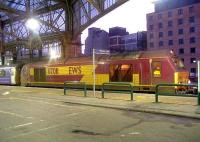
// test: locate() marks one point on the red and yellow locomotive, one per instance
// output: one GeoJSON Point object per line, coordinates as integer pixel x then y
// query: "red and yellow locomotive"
{"type": "Point", "coordinates": [143, 69]}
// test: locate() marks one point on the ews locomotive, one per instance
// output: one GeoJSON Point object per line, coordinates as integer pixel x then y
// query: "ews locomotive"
{"type": "Point", "coordinates": [143, 69]}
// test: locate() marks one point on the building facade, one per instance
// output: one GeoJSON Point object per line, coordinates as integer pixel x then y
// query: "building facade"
{"type": "Point", "coordinates": [121, 41]}
{"type": "Point", "coordinates": [97, 39]}
{"type": "Point", "coordinates": [116, 39]}
{"type": "Point", "coordinates": [135, 42]}
{"type": "Point", "coordinates": [175, 25]}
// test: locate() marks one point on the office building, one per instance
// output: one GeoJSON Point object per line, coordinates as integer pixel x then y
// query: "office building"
{"type": "Point", "coordinates": [97, 39]}
{"type": "Point", "coordinates": [175, 25]}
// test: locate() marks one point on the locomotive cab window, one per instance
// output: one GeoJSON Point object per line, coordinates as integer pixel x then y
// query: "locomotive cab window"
{"type": "Point", "coordinates": [157, 72]}
{"type": "Point", "coordinates": [121, 73]}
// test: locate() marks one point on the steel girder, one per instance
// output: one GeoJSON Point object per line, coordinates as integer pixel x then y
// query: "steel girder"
{"type": "Point", "coordinates": [90, 11]}
{"type": "Point", "coordinates": [61, 18]}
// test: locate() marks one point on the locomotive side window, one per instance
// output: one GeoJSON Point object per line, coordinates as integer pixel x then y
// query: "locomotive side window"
{"type": "Point", "coordinates": [156, 68]}
{"type": "Point", "coordinates": [121, 73]}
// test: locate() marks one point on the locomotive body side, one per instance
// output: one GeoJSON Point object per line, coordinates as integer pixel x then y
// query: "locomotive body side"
{"type": "Point", "coordinates": [56, 75]}
{"type": "Point", "coordinates": [144, 71]}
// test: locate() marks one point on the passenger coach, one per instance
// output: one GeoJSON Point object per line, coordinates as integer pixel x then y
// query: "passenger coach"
{"type": "Point", "coordinates": [10, 75]}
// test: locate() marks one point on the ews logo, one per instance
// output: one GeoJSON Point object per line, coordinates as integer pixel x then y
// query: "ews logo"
{"type": "Point", "coordinates": [52, 71]}
{"type": "Point", "coordinates": [76, 70]}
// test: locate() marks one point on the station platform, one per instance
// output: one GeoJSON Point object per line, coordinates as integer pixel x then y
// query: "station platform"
{"type": "Point", "coordinates": [170, 105]}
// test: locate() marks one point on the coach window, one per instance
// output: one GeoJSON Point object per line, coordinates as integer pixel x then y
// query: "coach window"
{"type": "Point", "coordinates": [156, 66]}
{"type": "Point", "coordinates": [2, 73]}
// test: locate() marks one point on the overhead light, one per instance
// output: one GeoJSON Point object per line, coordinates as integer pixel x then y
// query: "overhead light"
{"type": "Point", "coordinates": [33, 25]}
{"type": "Point", "coordinates": [54, 54]}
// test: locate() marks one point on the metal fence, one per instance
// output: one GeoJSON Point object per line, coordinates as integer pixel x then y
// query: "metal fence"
{"type": "Point", "coordinates": [78, 85]}
{"type": "Point", "coordinates": [180, 90]}
{"type": "Point", "coordinates": [106, 87]}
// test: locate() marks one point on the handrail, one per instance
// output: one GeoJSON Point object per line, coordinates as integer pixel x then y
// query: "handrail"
{"type": "Point", "coordinates": [169, 85]}
{"type": "Point", "coordinates": [75, 83]}
{"type": "Point", "coordinates": [117, 84]}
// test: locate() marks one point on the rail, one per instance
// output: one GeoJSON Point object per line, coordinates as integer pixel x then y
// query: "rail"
{"type": "Point", "coordinates": [117, 84]}
{"type": "Point", "coordinates": [82, 85]}
{"type": "Point", "coordinates": [157, 93]}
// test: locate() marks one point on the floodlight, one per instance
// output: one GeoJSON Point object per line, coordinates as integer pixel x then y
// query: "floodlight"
{"type": "Point", "coordinates": [33, 24]}
{"type": "Point", "coordinates": [54, 54]}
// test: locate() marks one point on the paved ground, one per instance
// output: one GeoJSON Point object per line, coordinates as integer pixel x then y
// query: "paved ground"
{"type": "Point", "coordinates": [179, 106]}
{"type": "Point", "coordinates": [45, 115]}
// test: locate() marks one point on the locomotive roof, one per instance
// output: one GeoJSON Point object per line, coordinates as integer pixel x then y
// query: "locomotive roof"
{"type": "Point", "coordinates": [131, 55]}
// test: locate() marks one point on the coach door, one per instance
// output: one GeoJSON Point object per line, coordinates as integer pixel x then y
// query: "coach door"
{"type": "Point", "coordinates": [39, 75]}
{"type": "Point", "coordinates": [121, 73]}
